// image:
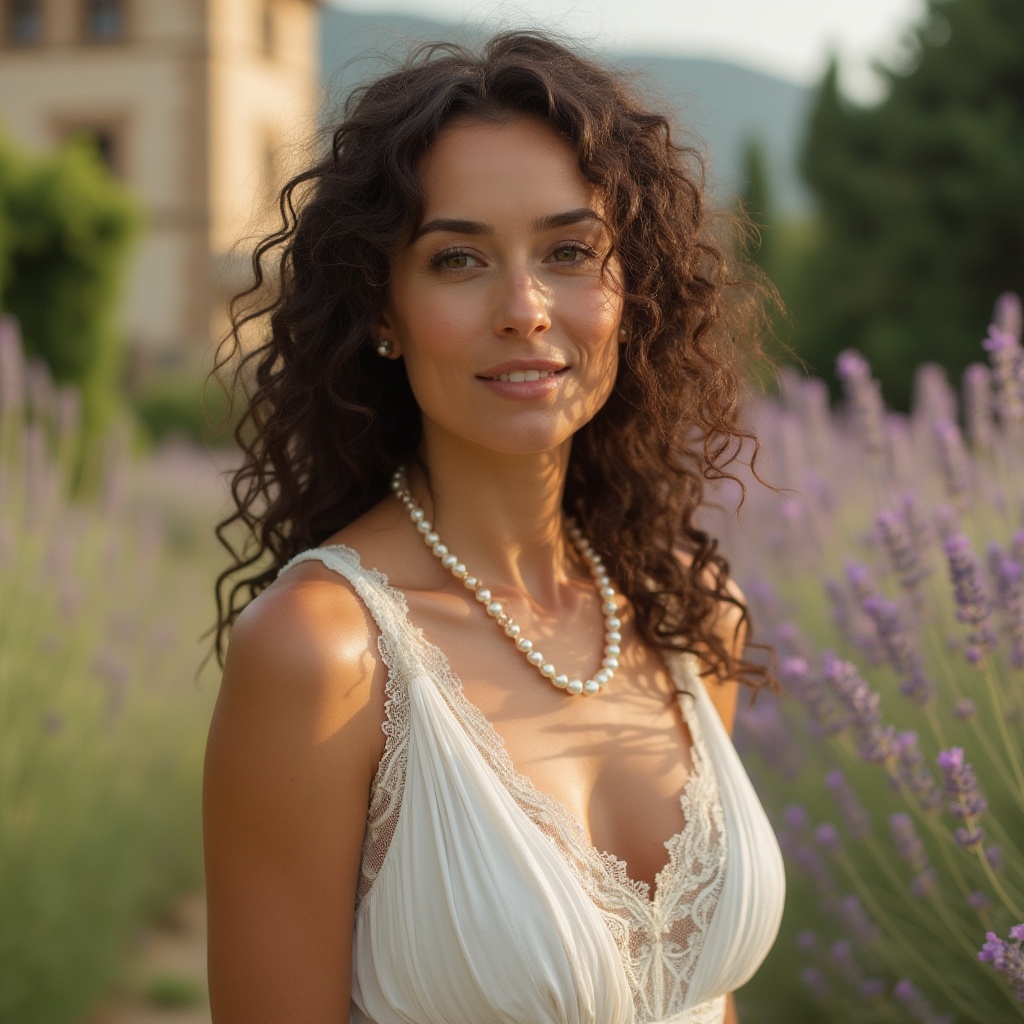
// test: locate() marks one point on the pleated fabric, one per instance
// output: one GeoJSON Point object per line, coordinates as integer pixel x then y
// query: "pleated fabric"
{"type": "Point", "coordinates": [481, 901]}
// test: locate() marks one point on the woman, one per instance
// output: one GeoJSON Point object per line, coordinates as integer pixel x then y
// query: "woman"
{"type": "Point", "coordinates": [495, 376]}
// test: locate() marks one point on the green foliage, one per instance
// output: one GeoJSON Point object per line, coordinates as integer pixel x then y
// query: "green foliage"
{"type": "Point", "coordinates": [175, 992]}
{"type": "Point", "coordinates": [179, 405]}
{"type": "Point", "coordinates": [756, 201]}
{"type": "Point", "coordinates": [65, 232]}
{"type": "Point", "coordinates": [921, 199]}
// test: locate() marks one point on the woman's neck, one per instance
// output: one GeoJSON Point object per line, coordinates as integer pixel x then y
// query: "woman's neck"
{"type": "Point", "coordinates": [500, 514]}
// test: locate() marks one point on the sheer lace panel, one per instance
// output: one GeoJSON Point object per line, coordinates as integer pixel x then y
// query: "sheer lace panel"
{"type": "Point", "coordinates": [659, 938]}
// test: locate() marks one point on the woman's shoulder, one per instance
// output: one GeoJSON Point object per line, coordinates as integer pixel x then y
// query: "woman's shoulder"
{"type": "Point", "coordinates": [305, 649]}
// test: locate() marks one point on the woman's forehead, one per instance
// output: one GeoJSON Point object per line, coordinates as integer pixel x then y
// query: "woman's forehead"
{"type": "Point", "coordinates": [522, 166]}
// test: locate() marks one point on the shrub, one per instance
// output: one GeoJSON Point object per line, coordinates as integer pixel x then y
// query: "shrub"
{"type": "Point", "coordinates": [180, 406]}
{"type": "Point", "coordinates": [67, 227]}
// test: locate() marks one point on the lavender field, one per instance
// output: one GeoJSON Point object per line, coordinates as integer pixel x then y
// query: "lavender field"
{"type": "Point", "coordinates": [105, 588]}
{"type": "Point", "coordinates": [889, 573]}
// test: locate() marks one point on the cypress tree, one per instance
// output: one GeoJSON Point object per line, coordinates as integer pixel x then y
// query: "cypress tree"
{"type": "Point", "coordinates": [921, 198]}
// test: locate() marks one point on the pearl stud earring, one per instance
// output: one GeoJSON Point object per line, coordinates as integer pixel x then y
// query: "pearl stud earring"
{"type": "Point", "coordinates": [384, 347]}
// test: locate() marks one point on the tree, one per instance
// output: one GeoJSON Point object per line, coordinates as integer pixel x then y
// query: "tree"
{"type": "Point", "coordinates": [756, 201]}
{"type": "Point", "coordinates": [921, 198]}
{"type": "Point", "coordinates": [65, 231]}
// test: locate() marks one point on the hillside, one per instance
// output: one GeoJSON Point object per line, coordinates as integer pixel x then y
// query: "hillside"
{"type": "Point", "coordinates": [723, 104]}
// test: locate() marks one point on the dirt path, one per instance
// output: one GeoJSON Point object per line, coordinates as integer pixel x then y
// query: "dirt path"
{"type": "Point", "coordinates": [167, 980]}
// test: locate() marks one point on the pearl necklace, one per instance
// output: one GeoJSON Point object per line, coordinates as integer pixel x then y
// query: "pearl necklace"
{"type": "Point", "coordinates": [495, 609]}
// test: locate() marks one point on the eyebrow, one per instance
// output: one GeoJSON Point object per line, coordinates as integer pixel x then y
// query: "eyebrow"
{"type": "Point", "coordinates": [475, 227]}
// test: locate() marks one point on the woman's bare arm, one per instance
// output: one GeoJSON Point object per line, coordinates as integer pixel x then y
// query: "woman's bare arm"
{"type": "Point", "coordinates": [293, 747]}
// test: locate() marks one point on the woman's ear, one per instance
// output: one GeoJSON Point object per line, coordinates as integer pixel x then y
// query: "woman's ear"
{"type": "Point", "coordinates": [384, 336]}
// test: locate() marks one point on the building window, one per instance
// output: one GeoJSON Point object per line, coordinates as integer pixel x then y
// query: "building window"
{"type": "Point", "coordinates": [24, 21]}
{"type": "Point", "coordinates": [104, 19]}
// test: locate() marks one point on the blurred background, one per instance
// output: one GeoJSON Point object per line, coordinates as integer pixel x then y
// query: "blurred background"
{"type": "Point", "coordinates": [878, 147]}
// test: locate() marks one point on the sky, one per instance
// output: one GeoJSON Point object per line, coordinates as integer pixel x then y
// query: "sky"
{"type": "Point", "coordinates": [789, 38]}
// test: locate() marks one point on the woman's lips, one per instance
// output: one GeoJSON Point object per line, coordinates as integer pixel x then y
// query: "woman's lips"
{"type": "Point", "coordinates": [524, 384]}
{"type": "Point", "coordinates": [519, 376]}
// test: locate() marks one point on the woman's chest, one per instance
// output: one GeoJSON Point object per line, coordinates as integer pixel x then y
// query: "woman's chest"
{"type": "Point", "coordinates": [618, 761]}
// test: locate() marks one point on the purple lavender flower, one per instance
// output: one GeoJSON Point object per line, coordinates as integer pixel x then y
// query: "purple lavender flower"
{"type": "Point", "coordinates": [891, 631]}
{"type": "Point", "coordinates": [1007, 957]}
{"type": "Point", "coordinates": [815, 981]}
{"type": "Point", "coordinates": [787, 637]}
{"type": "Point", "coordinates": [859, 578]}
{"type": "Point", "coordinates": [856, 921]}
{"type": "Point", "coordinates": [953, 459]}
{"type": "Point", "coordinates": [977, 390]}
{"type": "Point", "coordinates": [764, 726]}
{"type": "Point", "coordinates": [872, 989]}
{"type": "Point", "coordinates": [796, 817]}
{"type": "Point", "coordinates": [811, 864]}
{"type": "Point", "coordinates": [877, 742]}
{"type": "Point", "coordinates": [947, 521]}
{"type": "Point", "coordinates": [1017, 546]}
{"type": "Point", "coordinates": [904, 549]}
{"type": "Point", "coordinates": [908, 843]}
{"type": "Point", "coordinates": [964, 800]}
{"type": "Point", "coordinates": [858, 824]}
{"type": "Point", "coordinates": [996, 858]}
{"type": "Point", "coordinates": [40, 390]}
{"type": "Point", "coordinates": [933, 397]}
{"type": "Point", "coordinates": [827, 837]}
{"type": "Point", "coordinates": [864, 395]}
{"type": "Point", "coordinates": [899, 648]}
{"type": "Point", "coordinates": [842, 956]}
{"type": "Point", "coordinates": [979, 901]}
{"type": "Point", "coordinates": [964, 709]}
{"type": "Point", "coordinates": [12, 366]}
{"type": "Point", "coordinates": [911, 997]}
{"type": "Point", "coordinates": [1009, 578]}
{"type": "Point", "coordinates": [973, 604]}
{"type": "Point", "coordinates": [912, 774]}
{"type": "Point", "coordinates": [796, 677]}
{"type": "Point", "coordinates": [807, 941]}
{"type": "Point", "coordinates": [1008, 315]}
{"type": "Point", "coordinates": [850, 622]}
{"type": "Point", "coordinates": [1004, 352]}
{"type": "Point", "coordinates": [923, 885]}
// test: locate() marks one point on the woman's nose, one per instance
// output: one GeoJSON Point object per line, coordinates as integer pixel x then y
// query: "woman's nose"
{"type": "Point", "coordinates": [522, 306]}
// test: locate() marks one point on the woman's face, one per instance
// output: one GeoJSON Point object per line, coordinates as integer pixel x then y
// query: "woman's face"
{"type": "Point", "coordinates": [508, 327]}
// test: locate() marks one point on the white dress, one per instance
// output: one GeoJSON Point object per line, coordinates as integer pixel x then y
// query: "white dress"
{"type": "Point", "coordinates": [482, 901]}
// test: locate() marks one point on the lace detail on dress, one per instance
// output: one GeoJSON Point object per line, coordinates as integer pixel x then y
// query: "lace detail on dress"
{"type": "Point", "coordinates": [659, 939]}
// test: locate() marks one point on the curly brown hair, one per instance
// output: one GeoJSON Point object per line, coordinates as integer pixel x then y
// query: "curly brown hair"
{"type": "Point", "coordinates": [327, 421]}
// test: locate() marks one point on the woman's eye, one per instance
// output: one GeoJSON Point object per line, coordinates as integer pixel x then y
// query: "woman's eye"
{"type": "Point", "coordinates": [570, 254]}
{"type": "Point", "coordinates": [453, 261]}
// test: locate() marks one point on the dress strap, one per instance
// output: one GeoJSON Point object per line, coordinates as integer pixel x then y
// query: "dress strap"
{"type": "Point", "coordinates": [386, 604]}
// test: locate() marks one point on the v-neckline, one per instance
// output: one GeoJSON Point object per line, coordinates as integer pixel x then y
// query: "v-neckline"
{"type": "Point", "coordinates": [544, 805]}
